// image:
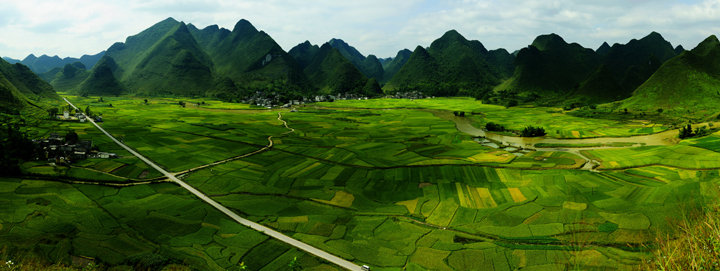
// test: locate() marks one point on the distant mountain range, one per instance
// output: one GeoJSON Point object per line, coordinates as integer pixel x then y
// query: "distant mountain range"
{"type": "Point", "coordinates": [554, 70]}
{"type": "Point", "coordinates": [46, 63]}
{"type": "Point", "coordinates": [174, 58]}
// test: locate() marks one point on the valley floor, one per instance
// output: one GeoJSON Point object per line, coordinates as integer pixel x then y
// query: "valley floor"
{"type": "Point", "coordinates": [389, 183]}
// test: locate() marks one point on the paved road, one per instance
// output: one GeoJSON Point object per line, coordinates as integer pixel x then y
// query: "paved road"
{"type": "Point", "coordinates": [258, 227]}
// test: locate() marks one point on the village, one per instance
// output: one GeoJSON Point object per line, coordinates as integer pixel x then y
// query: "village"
{"type": "Point", "coordinates": [274, 99]}
{"type": "Point", "coordinates": [69, 148]}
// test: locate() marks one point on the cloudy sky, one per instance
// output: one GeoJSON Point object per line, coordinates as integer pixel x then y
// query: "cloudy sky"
{"type": "Point", "coordinates": [380, 27]}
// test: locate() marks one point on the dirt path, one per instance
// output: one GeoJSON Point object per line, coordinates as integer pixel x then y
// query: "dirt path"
{"type": "Point", "coordinates": [267, 147]}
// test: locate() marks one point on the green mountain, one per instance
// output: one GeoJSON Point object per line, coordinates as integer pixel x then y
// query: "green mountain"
{"type": "Point", "coordinates": [686, 82]}
{"type": "Point", "coordinates": [625, 67]}
{"type": "Point", "coordinates": [330, 72]}
{"type": "Point", "coordinates": [174, 65]}
{"type": "Point", "coordinates": [370, 66]}
{"type": "Point", "coordinates": [21, 89]}
{"type": "Point", "coordinates": [67, 78]}
{"type": "Point", "coordinates": [679, 49]}
{"type": "Point", "coordinates": [246, 55]}
{"type": "Point", "coordinates": [102, 79]}
{"type": "Point", "coordinates": [502, 61]}
{"type": "Point", "coordinates": [304, 53]}
{"type": "Point", "coordinates": [393, 65]}
{"type": "Point", "coordinates": [603, 50]}
{"type": "Point", "coordinates": [551, 68]}
{"type": "Point", "coordinates": [452, 65]}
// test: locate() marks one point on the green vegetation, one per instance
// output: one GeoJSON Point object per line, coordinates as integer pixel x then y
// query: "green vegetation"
{"type": "Point", "coordinates": [686, 84]}
{"type": "Point", "coordinates": [688, 132]}
{"type": "Point", "coordinates": [393, 66]}
{"type": "Point", "coordinates": [451, 66]}
{"type": "Point", "coordinates": [551, 68]}
{"type": "Point", "coordinates": [370, 66]}
{"type": "Point", "coordinates": [532, 131]}
{"type": "Point", "coordinates": [398, 188]}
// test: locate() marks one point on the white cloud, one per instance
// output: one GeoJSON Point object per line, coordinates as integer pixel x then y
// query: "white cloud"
{"type": "Point", "coordinates": [381, 27]}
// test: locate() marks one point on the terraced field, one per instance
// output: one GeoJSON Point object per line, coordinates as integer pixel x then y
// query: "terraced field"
{"type": "Point", "coordinates": [385, 183]}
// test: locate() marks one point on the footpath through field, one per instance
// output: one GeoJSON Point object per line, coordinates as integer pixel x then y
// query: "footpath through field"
{"type": "Point", "coordinates": [258, 227]}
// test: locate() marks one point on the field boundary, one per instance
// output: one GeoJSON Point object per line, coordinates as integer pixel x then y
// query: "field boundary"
{"type": "Point", "coordinates": [253, 225]}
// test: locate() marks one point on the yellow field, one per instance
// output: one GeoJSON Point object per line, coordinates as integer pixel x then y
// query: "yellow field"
{"type": "Point", "coordinates": [409, 204]}
{"type": "Point", "coordinates": [474, 197]}
{"type": "Point", "coordinates": [341, 199]}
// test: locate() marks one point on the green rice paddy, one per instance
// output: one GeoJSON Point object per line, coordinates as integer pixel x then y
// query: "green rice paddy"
{"type": "Point", "coordinates": [380, 182]}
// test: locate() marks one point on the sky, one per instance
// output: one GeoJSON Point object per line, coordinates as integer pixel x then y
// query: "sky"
{"type": "Point", "coordinates": [380, 27]}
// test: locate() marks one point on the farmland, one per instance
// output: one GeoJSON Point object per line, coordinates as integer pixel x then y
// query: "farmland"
{"type": "Point", "coordinates": [385, 182]}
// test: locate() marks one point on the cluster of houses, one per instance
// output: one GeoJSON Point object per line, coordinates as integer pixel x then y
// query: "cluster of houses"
{"type": "Point", "coordinates": [407, 95]}
{"type": "Point", "coordinates": [273, 99]}
{"type": "Point", "coordinates": [57, 149]}
{"type": "Point", "coordinates": [77, 117]}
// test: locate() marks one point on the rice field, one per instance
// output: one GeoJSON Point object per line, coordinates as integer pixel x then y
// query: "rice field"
{"type": "Point", "coordinates": [394, 189]}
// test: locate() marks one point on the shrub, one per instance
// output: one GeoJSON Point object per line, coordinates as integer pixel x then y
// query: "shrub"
{"type": "Point", "coordinates": [494, 127]}
{"type": "Point", "coordinates": [532, 131]}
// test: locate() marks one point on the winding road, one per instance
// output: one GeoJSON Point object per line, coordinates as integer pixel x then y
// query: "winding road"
{"type": "Point", "coordinates": [258, 227]}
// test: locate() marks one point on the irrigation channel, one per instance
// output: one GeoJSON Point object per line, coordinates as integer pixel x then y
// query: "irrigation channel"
{"type": "Point", "coordinates": [258, 227]}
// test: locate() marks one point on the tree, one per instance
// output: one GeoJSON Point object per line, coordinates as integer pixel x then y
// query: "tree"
{"type": "Point", "coordinates": [532, 131]}
{"type": "Point", "coordinates": [494, 127]}
{"type": "Point", "coordinates": [181, 103]}
{"type": "Point", "coordinates": [146, 101]}
{"type": "Point", "coordinates": [87, 111]}
{"type": "Point", "coordinates": [101, 100]}
{"type": "Point", "coordinates": [686, 132]}
{"type": "Point", "coordinates": [52, 112]}
{"type": "Point", "coordinates": [71, 137]}
{"type": "Point", "coordinates": [659, 110]}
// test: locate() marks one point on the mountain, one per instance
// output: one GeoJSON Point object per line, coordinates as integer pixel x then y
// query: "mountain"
{"type": "Point", "coordinates": [686, 82]}
{"type": "Point", "coordinates": [10, 60]}
{"type": "Point", "coordinates": [679, 49]}
{"type": "Point", "coordinates": [44, 63]}
{"type": "Point", "coordinates": [102, 79]}
{"type": "Point", "coordinates": [304, 53]}
{"type": "Point", "coordinates": [385, 61]}
{"type": "Point", "coordinates": [452, 65]}
{"type": "Point", "coordinates": [330, 72]}
{"type": "Point", "coordinates": [625, 67]}
{"type": "Point", "coordinates": [370, 66]}
{"type": "Point", "coordinates": [551, 68]}
{"type": "Point", "coordinates": [246, 55]}
{"type": "Point", "coordinates": [20, 89]}
{"type": "Point", "coordinates": [67, 78]}
{"type": "Point", "coordinates": [604, 49]}
{"type": "Point", "coordinates": [174, 65]}
{"type": "Point", "coordinates": [393, 65]}
{"type": "Point", "coordinates": [502, 61]}
{"type": "Point", "coordinates": [164, 59]}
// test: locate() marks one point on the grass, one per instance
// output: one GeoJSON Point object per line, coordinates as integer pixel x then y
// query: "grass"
{"type": "Point", "coordinates": [695, 245]}
{"type": "Point", "coordinates": [555, 122]}
{"type": "Point", "coordinates": [373, 186]}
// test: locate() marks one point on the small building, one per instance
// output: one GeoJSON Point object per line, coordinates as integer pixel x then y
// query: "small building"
{"type": "Point", "coordinates": [106, 155]}
{"type": "Point", "coordinates": [66, 114]}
